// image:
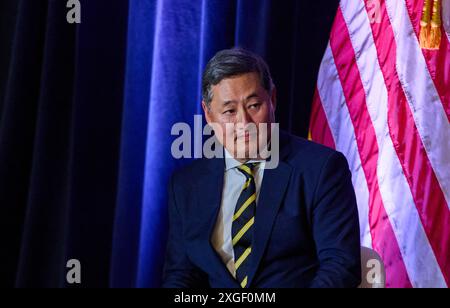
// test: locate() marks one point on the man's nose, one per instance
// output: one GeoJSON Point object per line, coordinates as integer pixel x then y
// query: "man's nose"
{"type": "Point", "coordinates": [243, 117]}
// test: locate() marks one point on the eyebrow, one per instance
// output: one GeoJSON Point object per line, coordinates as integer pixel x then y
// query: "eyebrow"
{"type": "Point", "coordinates": [226, 103]}
{"type": "Point", "coordinates": [253, 95]}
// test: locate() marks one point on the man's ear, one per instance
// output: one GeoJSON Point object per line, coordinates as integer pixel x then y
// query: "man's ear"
{"type": "Point", "coordinates": [206, 111]}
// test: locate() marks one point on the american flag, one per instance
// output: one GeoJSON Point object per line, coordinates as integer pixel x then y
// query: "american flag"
{"type": "Point", "coordinates": [383, 99]}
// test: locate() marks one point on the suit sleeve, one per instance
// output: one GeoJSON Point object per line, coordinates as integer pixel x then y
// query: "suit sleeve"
{"type": "Point", "coordinates": [335, 227]}
{"type": "Point", "coordinates": [179, 272]}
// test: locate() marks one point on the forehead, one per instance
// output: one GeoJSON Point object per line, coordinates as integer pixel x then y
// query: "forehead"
{"type": "Point", "coordinates": [237, 86]}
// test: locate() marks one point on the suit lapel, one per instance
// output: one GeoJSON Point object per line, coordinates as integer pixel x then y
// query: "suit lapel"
{"type": "Point", "coordinates": [274, 185]}
{"type": "Point", "coordinates": [275, 182]}
{"type": "Point", "coordinates": [209, 195]}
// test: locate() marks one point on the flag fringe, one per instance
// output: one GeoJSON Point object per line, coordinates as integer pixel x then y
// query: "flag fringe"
{"type": "Point", "coordinates": [430, 25]}
{"type": "Point", "coordinates": [424, 35]}
{"type": "Point", "coordinates": [435, 38]}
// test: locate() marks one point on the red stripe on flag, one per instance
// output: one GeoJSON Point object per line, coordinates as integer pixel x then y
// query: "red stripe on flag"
{"type": "Point", "coordinates": [427, 194]}
{"type": "Point", "coordinates": [438, 61]}
{"type": "Point", "coordinates": [319, 128]}
{"type": "Point", "coordinates": [383, 237]}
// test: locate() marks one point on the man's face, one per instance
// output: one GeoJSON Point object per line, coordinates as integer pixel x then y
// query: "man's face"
{"type": "Point", "coordinates": [240, 104]}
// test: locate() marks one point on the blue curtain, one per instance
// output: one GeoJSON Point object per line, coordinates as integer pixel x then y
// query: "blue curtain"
{"type": "Point", "coordinates": [86, 113]}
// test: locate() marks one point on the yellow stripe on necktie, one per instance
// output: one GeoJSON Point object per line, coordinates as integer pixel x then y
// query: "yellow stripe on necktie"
{"type": "Point", "coordinates": [247, 184]}
{"type": "Point", "coordinates": [244, 282]}
{"type": "Point", "coordinates": [243, 230]}
{"type": "Point", "coordinates": [242, 258]}
{"type": "Point", "coordinates": [244, 206]}
{"type": "Point", "coordinates": [246, 169]}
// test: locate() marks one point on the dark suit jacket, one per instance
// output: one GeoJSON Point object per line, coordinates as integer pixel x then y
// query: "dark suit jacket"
{"type": "Point", "coordinates": [306, 230]}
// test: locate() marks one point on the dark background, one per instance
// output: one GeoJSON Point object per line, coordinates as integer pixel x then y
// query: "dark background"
{"type": "Point", "coordinates": [86, 112]}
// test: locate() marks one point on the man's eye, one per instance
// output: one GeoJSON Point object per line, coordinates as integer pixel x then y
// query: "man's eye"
{"type": "Point", "coordinates": [228, 112]}
{"type": "Point", "coordinates": [254, 106]}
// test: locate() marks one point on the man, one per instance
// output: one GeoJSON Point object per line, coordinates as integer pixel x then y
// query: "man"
{"type": "Point", "coordinates": [234, 223]}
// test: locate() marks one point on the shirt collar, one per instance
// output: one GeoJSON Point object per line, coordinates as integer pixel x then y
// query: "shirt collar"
{"type": "Point", "coordinates": [231, 162]}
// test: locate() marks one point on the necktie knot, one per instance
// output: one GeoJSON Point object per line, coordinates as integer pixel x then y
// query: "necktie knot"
{"type": "Point", "coordinates": [247, 169]}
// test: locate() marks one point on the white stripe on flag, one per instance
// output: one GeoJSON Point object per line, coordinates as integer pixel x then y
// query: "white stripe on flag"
{"type": "Point", "coordinates": [418, 256]}
{"type": "Point", "coordinates": [423, 99]}
{"type": "Point", "coordinates": [341, 126]}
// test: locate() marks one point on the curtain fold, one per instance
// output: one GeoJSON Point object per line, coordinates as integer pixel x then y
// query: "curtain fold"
{"type": "Point", "coordinates": [17, 127]}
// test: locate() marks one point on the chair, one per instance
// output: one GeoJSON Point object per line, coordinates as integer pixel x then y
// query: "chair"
{"type": "Point", "coordinates": [373, 274]}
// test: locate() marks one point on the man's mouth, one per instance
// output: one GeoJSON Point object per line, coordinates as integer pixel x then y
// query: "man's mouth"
{"type": "Point", "coordinates": [246, 136]}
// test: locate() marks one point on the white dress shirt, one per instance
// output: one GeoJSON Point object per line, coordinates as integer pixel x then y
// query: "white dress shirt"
{"type": "Point", "coordinates": [234, 180]}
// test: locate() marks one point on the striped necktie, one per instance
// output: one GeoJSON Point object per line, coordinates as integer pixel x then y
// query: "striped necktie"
{"type": "Point", "coordinates": [242, 227]}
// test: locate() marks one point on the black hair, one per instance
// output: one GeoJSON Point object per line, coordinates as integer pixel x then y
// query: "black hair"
{"type": "Point", "coordinates": [233, 62]}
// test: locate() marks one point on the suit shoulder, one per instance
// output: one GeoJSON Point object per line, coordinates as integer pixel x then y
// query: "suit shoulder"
{"type": "Point", "coordinates": [301, 147]}
{"type": "Point", "coordinates": [307, 153]}
{"type": "Point", "coordinates": [186, 173]}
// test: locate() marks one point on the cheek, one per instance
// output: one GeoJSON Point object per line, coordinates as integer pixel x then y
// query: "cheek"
{"type": "Point", "coordinates": [221, 130]}
{"type": "Point", "coordinates": [223, 126]}
{"type": "Point", "coordinates": [264, 115]}
{"type": "Point", "coordinates": [229, 131]}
